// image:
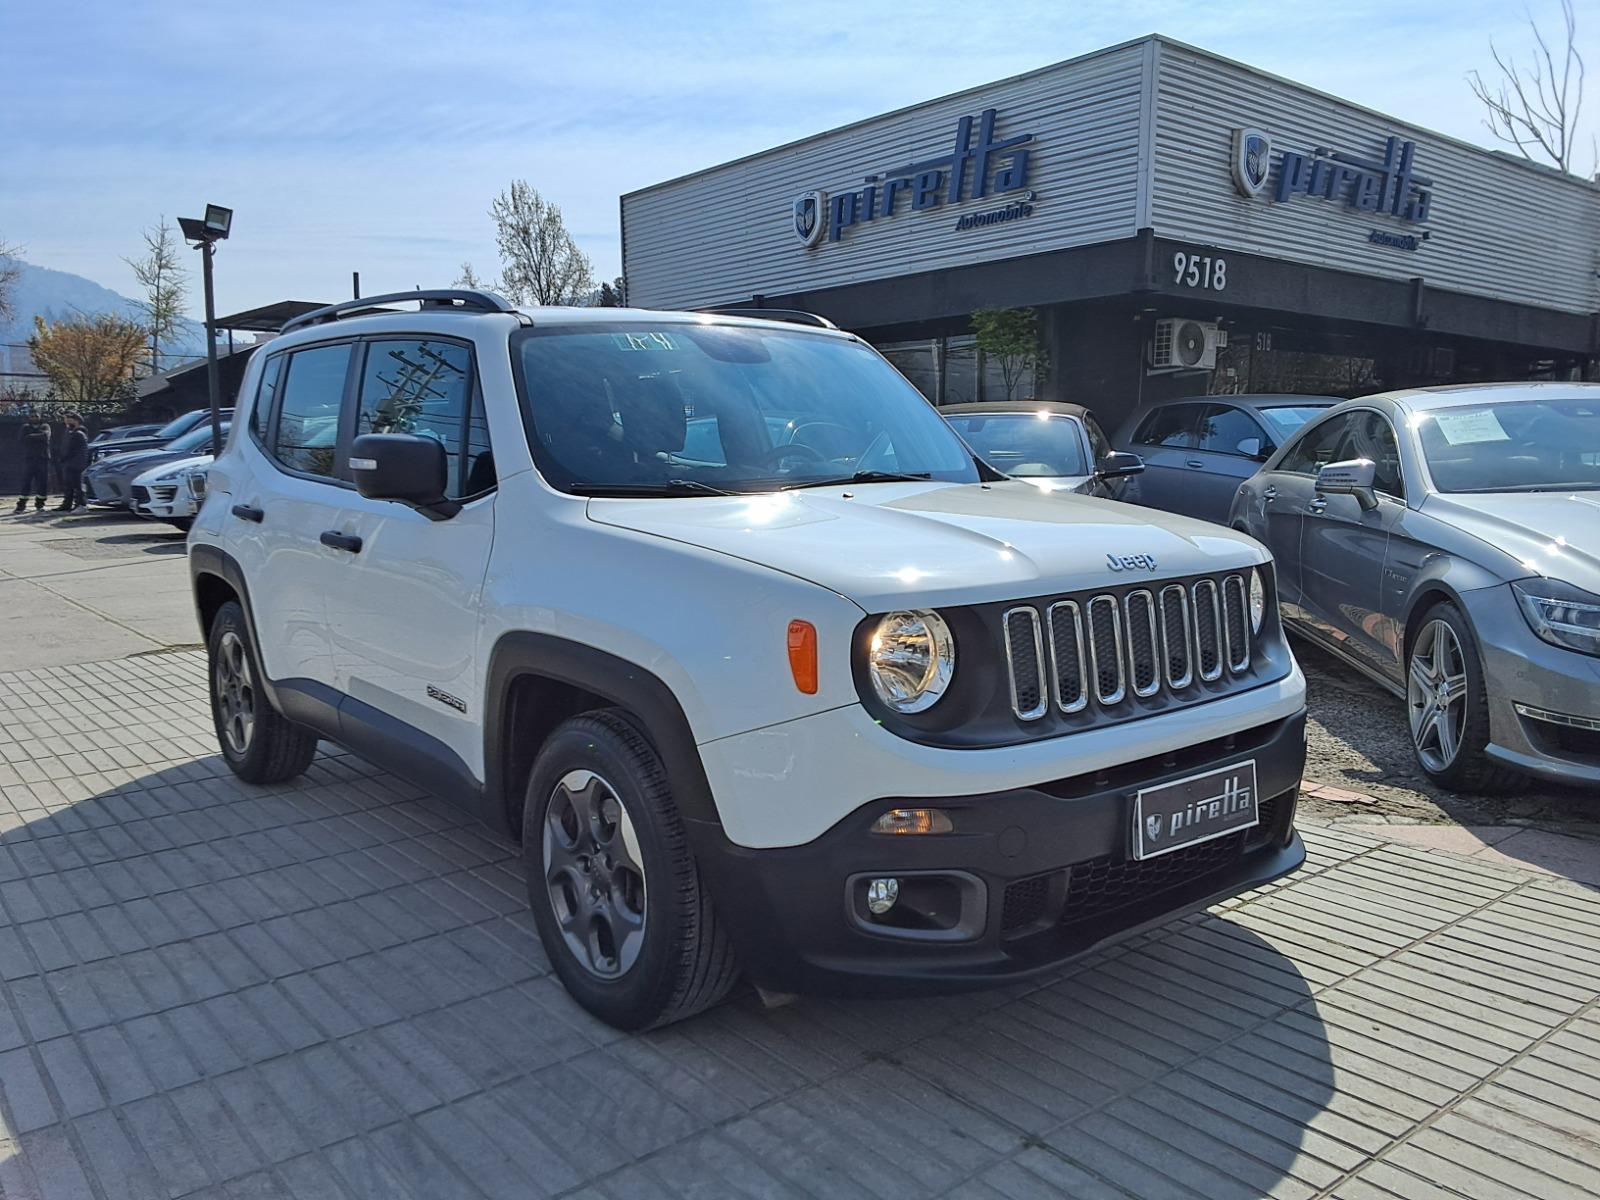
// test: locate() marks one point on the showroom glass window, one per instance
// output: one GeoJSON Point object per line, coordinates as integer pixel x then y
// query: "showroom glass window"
{"type": "Point", "coordinates": [424, 386]}
{"type": "Point", "coordinates": [307, 433]}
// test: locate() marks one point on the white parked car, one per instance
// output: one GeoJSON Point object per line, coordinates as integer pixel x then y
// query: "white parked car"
{"type": "Point", "coordinates": [822, 700]}
{"type": "Point", "coordinates": [171, 492]}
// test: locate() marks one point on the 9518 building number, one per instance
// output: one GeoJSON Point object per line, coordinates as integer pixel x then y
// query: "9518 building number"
{"type": "Point", "coordinates": [1201, 271]}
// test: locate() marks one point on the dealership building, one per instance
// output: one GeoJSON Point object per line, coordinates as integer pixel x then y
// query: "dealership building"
{"type": "Point", "coordinates": [1180, 223]}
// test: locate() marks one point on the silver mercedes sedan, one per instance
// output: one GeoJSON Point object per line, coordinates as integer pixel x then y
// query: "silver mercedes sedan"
{"type": "Point", "coordinates": [1446, 541]}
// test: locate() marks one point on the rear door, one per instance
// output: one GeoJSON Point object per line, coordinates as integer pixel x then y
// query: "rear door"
{"type": "Point", "coordinates": [1164, 437]}
{"type": "Point", "coordinates": [404, 604]}
{"type": "Point", "coordinates": [1228, 447]}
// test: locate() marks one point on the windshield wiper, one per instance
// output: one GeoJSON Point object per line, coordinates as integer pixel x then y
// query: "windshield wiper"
{"type": "Point", "coordinates": [864, 477]}
{"type": "Point", "coordinates": [672, 487]}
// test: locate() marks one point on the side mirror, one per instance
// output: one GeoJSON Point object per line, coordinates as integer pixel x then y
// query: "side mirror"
{"type": "Point", "coordinates": [1118, 464]}
{"type": "Point", "coordinates": [405, 468]}
{"type": "Point", "coordinates": [1352, 478]}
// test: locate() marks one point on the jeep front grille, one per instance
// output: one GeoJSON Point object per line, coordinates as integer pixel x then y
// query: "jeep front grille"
{"type": "Point", "coordinates": [1118, 650]}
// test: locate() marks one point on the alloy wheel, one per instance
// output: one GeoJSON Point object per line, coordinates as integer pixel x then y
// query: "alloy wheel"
{"type": "Point", "coordinates": [594, 872]}
{"type": "Point", "coordinates": [1436, 689]}
{"type": "Point", "coordinates": [235, 692]}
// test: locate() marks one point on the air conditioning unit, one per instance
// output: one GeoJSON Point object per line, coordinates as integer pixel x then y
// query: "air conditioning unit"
{"type": "Point", "coordinates": [1181, 344]}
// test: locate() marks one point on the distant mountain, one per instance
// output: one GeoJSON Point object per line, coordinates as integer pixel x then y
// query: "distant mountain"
{"type": "Point", "coordinates": [59, 295]}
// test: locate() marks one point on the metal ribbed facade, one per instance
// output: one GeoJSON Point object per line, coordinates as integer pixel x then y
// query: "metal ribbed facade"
{"type": "Point", "coordinates": [1500, 227]}
{"type": "Point", "coordinates": [726, 234]}
{"type": "Point", "coordinates": [1140, 134]}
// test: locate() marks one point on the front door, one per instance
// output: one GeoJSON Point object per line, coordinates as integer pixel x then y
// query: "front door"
{"type": "Point", "coordinates": [1343, 547]}
{"type": "Point", "coordinates": [1285, 497]}
{"type": "Point", "coordinates": [1164, 438]}
{"type": "Point", "coordinates": [404, 608]}
{"type": "Point", "coordinates": [1228, 446]}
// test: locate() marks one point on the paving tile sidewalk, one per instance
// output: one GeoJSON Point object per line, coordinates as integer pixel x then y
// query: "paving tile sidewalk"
{"type": "Point", "coordinates": [331, 989]}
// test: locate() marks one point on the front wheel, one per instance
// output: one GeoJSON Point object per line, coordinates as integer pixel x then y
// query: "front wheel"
{"type": "Point", "coordinates": [621, 909]}
{"type": "Point", "coordinates": [1448, 705]}
{"type": "Point", "coordinates": [258, 743]}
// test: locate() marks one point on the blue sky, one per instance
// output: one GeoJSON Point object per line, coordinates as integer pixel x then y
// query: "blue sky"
{"type": "Point", "coordinates": [371, 136]}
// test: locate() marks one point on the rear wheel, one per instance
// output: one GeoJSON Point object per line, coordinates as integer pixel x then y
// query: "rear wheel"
{"type": "Point", "coordinates": [621, 909]}
{"type": "Point", "coordinates": [259, 744]}
{"type": "Point", "coordinates": [1448, 706]}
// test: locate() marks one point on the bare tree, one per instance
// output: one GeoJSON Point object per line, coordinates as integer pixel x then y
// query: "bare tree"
{"type": "Point", "coordinates": [469, 279]}
{"type": "Point", "coordinates": [166, 287]}
{"type": "Point", "coordinates": [10, 270]}
{"type": "Point", "coordinates": [1536, 107]}
{"type": "Point", "coordinates": [539, 261]}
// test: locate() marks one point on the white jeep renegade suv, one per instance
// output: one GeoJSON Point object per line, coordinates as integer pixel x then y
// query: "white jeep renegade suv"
{"type": "Point", "coordinates": [768, 673]}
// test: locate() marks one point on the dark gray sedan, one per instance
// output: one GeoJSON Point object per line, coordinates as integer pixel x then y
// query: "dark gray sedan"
{"type": "Point", "coordinates": [109, 480]}
{"type": "Point", "coordinates": [1446, 541]}
{"type": "Point", "coordinates": [1199, 449]}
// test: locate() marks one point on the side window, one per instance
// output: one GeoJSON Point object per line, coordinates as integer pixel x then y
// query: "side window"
{"type": "Point", "coordinates": [1319, 446]}
{"type": "Point", "coordinates": [1099, 443]}
{"type": "Point", "coordinates": [261, 410]}
{"type": "Point", "coordinates": [1171, 425]}
{"type": "Point", "coordinates": [1373, 437]}
{"type": "Point", "coordinates": [477, 468]}
{"type": "Point", "coordinates": [422, 386]}
{"type": "Point", "coordinates": [1225, 429]}
{"type": "Point", "coordinates": [308, 411]}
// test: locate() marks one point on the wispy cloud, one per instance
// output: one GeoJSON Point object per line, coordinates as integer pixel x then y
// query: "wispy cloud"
{"type": "Point", "coordinates": [370, 136]}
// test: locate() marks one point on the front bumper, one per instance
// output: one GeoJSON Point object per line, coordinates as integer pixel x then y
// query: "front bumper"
{"type": "Point", "coordinates": [1039, 875]}
{"type": "Point", "coordinates": [1521, 669]}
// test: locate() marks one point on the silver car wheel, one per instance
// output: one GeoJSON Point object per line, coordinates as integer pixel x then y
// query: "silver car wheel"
{"type": "Point", "coordinates": [1436, 688]}
{"type": "Point", "coordinates": [235, 692]}
{"type": "Point", "coordinates": [594, 872]}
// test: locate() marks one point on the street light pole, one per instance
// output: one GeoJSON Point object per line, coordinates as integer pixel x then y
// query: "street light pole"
{"type": "Point", "coordinates": [213, 384]}
{"type": "Point", "coordinates": [204, 233]}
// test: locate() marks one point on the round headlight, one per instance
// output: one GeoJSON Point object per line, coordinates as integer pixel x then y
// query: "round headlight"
{"type": "Point", "coordinates": [911, 659]}
{"type": "Point", "coordinates": [1258, 600]}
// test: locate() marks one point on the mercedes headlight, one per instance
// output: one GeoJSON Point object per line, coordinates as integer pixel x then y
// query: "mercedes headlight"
{"type": "Point", "coordinates": [1561, 614]}
{"type": "Point", "coordinates": [911, 660]}
{"type": "Point", "coordinates": [1258, 600]}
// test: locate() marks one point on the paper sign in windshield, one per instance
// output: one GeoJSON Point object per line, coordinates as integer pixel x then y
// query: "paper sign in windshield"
{"type": "Point", "coordinates": [643, 341]}
{"type": "Point", "coordinates": [1465, 428]}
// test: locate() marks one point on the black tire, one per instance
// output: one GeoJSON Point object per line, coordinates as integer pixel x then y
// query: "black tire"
{"type": "Point", "coordinates": [678, 961]}
{"type": "Point", "coordinates": [258, 743]}
{"type": "Point", "coordinates": [1470, 769]}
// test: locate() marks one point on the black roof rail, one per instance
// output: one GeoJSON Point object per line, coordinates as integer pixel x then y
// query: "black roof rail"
{"type": "Point", "coordinates": [462, 299]}
{"type": "Point", "coordinates": [793, 315]}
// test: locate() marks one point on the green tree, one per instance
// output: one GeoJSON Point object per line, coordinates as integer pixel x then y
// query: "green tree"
{"type": "Point", "coordinates": [1010, 338]}
{"type": "Point", "coordinates": [613, 295]}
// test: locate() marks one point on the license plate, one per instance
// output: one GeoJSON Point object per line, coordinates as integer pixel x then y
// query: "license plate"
{"type": "Point", "coordinates": [1196, 809]}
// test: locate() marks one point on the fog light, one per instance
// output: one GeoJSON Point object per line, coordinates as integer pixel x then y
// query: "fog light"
{"type": "Point", "coordinates": [913, 820]}
{"type": "Point", "coordinates": [881, 895]}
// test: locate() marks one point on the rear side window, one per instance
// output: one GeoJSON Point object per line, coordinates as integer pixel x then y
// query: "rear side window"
{"type": "Point", "coordinates": [1225, 429]}
{"type": "Point", "coordinates": [424, 386]}
{"type": "Point", "coordinates": [1172, 425]}
{"type": "Point", "coordinates": [261, 411]}
{"type": "Point", "coordinates": [308, 410]}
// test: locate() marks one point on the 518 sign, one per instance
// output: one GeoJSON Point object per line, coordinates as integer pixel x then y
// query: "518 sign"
{"type": "Point", "coordinates": [1199, 271]}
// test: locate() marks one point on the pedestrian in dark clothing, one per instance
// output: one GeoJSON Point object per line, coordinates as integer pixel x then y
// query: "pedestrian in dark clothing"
{"type": "Point", "coordinates": [71, 459]}
{"type": "Point", "coordinates": [35, 439]}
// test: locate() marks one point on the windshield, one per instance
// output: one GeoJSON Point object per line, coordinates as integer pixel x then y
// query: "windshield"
{"type": "Point", "coordinates": [1516, 446]}
{"type": "Point", "coordinates": [178, 425]}
{"type": "Point", "coordinates": [1024, 444]}
{"type": "Point", "coordinates": [674, 408]}
{"type": "Point", "coordinates": [196, 439]}
{"type": "Point", "coordinates": [1285, 419]}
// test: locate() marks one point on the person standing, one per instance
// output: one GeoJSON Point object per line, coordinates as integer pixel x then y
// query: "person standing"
{"type": "Point", "coordinates": [71, 459]}
{"type": "Point", "coordinates": [35, 440]}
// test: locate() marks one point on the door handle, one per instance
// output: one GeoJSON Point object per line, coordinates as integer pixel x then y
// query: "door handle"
{"type": "Point", "coordinates": [1316, 506]}
{"type": "Point", "coordinates": [341, 541]}
{"type": "Point", "coordinates": [1269, 494]}
{"type": "Point", "coordinates": [248, 512]}
{"type": "Point", "coordinates": [1193, 462]}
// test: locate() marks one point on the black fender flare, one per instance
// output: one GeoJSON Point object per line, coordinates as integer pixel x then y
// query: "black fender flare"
{"type": "Point", "coordinates": [625, 684]}
{"type": "Point", "coordinates": [214, 561]}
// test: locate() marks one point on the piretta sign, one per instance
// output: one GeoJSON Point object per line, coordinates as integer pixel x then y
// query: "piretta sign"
{"type": "Point", "coordinates": [981, 163]}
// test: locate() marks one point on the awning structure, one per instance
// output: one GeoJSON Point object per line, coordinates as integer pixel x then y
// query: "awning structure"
{"type": "Point", "coordinates": [269, 318]}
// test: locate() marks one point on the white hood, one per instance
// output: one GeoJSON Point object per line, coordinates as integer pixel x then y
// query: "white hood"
{"type": "Point", "coordinates": [897, 544]}
{"type": "Point", "coordinates": [174, 467]}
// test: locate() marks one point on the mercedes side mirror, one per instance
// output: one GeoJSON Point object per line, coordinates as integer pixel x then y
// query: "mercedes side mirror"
{"type": "Point", "coordinates": [1352, 478]}
{"type": "Point", "coordinates": [405, 468]}
{"type": "Point", "coordinates": [1118, 464]}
